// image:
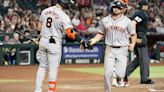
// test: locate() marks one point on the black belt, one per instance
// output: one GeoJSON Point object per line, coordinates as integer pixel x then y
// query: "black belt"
{"type": "Point", "coordinates": [115, 46]}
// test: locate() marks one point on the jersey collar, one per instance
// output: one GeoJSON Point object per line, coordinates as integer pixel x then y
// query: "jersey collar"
{"type": "Point", "coordinates": [122, 16]}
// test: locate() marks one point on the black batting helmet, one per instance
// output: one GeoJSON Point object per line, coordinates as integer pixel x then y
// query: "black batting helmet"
{"type": "Point", "coordinates": [67, 3]}
{"type": "Point", "coordinates": [119, 4]}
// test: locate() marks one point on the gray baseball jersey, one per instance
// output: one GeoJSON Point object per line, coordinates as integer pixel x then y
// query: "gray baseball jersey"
{"type": "Point", "coordinates": [116, 31]}
{"type": "Point", "coordinates": [54, 21]}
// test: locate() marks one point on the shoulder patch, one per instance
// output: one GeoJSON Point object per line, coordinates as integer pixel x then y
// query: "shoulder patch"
{"type": "Point", "coordinates": [138, 19]}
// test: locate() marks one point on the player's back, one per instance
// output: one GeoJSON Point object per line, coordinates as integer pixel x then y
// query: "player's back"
{"type": "Point", "coordinates": [52, 22]}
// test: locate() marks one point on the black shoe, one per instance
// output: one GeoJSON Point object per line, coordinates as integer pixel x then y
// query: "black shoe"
{"type": "Point", "coordinates": [149, 81]}
{"type": "Point", "coordinates": [126, 78]}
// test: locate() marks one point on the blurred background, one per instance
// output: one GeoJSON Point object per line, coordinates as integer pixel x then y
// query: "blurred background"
{"type": "Point", "coordinates": [22, 16]}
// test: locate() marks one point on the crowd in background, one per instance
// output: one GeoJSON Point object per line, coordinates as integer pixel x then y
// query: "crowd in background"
{"type": "Point", "coordinates": [22, 16]}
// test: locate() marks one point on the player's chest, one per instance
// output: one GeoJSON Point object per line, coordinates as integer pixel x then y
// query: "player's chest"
{"type": "Point", "coordinates": [111, 26]}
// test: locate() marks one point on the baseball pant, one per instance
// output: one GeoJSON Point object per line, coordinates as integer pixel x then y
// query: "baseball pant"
{"type": "Point", "coordinates": [142, 60]}
{"type": "Point", "coordinates": [48, 56]}
{"type": "Point", "coordinates": [114, 57]}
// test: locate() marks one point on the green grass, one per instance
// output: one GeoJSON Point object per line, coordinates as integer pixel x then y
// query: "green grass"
{"type": "Point", "coordinates": [11, 81]}
{"type": "Point", "coordinates": [155, 71]}
{"type": "Point", "coordinates": [94, 70]}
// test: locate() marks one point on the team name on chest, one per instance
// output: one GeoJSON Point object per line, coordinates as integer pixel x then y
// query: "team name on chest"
{"type": "Point", "coordinates": [115, 28]}
{"type": "Point", "coordinates": [52, 13]}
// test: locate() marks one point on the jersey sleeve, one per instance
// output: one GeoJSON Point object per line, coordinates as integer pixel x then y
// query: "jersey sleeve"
{"type": "Point", "coordinates": [138, 17]}
{"type": "Point", "coordinates": [130, 28]}
{"type": "Point", "coordinates": [66, 22]}
{"type": "Point", "coordinates": [101, 28]}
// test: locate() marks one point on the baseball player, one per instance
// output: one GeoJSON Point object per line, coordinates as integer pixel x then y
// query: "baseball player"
{"type": "Point", "coordinates": [139, 20]}
{"type": "Point", "coordinates": [116, 28]}
{"type": "Point", "coordinates": [53, 21]}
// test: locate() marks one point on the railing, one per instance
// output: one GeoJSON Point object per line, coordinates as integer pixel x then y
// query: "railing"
{"type": "Point", "coordinates": [68, 56]}
{"type": "Point", "coordinates": [19, 47]}
{"type": "Point", "coordinates": [159, 44]}
{"type": "Point", "coordinates": [32, 49]}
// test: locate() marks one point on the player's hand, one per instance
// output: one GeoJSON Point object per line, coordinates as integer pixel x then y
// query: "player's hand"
{"type": "Point", "coordinates": [131, 47]}
{"type": "Point", "coordinates": [139, 41]}
{"type": "Point", "coordinates": [36, 42]}
{"type": "Point", "coordinates": [85, 45]}
{"type": "Point", "coordinates": [92, 41]}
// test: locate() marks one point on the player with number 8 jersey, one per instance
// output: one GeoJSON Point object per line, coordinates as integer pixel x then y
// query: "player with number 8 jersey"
{"type": "Point", "coordinates": [52, 23]}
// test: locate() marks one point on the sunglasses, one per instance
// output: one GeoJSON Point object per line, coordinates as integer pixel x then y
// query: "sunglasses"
{"type": "Point", "coordinates": [118, 7]}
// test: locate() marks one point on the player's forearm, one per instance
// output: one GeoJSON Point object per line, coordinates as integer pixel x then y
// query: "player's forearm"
{"type": "Point", "coordinates": [39, 26]}
{"type": "Point", "coordinates": [96, 39]}
{"type": "Point", "coordinates": [134, 24]}
{"type": "Point", "coordinates": [134, 39]}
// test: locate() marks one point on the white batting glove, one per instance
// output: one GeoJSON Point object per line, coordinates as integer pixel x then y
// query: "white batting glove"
{"type": "Point", "coordinates": [93, 41]}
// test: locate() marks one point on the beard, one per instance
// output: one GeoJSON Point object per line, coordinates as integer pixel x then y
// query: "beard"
{"type": "Point", "coordinates": [116, 12]}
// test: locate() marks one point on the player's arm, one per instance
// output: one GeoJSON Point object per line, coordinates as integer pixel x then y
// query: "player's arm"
{"type": "Point", "coordinates": [99, 35]}
{"type": "Point", "coordinates": [70, 32]}
{"type": "Point", "coordinates": [134, 36]}
{"type": "Point", "coordinates": [96, 39]}
{"type": "Point", "coordinates": [39, 23]}
{"type": "Point", "coordinates": [39, 26]}
{"type": "Point", "coordinates": [133, 39]}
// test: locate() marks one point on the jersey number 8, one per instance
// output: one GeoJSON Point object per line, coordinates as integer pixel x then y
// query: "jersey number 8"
{"type": "Point", "coordinates": [49, 21]}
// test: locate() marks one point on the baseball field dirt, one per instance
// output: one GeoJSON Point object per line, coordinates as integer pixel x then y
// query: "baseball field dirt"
{"type": "Point", "coordinates": [22, 79]}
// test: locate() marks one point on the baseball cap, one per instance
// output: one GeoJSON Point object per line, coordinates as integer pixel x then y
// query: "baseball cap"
{"type": "Point", "coordinates": [143, 2]}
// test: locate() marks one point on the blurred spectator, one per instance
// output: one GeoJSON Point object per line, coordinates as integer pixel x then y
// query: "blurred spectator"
{"type": "Point", "coordinates": [6, 3]}
{"type": "Point", "coordinates": [159, 25]}
{"type": "Point", "coordinates": [76, 20]}
{"type": "Point", "coordinates": [15, 39]}
{"type": "Point", "coordinates": [6, 51]}
{"type": "Point", "coordinates": [1, 42]}
{"type": "Point", "coordinates": [25, 40]}
{"type": "Point", "coordinates": [7, 39]}
{"type": "Point", "coordinates": [92, 30]}
{"type": "Point", "coordinates": [82, 29]}
{"type": "Point", "coordinates": [2, 26]}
